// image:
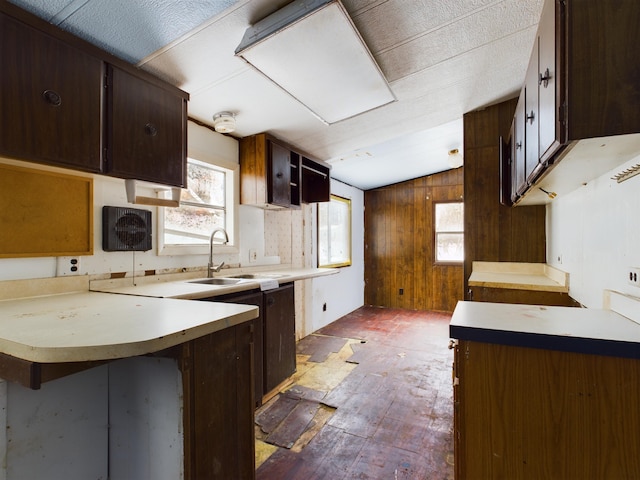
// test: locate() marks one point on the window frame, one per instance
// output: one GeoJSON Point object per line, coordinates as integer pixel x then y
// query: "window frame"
{"type": "Point", "coordinates": [349, 224]}
{"type": "Point", "coordinates": [232, 197]}
{"type": "Point", "coordinates": [436, 232]}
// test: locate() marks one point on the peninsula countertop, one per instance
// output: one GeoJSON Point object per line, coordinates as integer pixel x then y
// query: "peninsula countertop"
{"type": "Point", "coordinates": [89, 326]}
{"type": "Point", "coordinates": [582, 330]}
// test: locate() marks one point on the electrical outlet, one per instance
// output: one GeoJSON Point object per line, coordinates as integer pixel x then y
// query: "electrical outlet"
{"type": "Point", "coordinates": [633, 276]}
{"type": "Point", "coordinates": [67, 266]}
{"type": "Point", "coordinates": [253, 255]}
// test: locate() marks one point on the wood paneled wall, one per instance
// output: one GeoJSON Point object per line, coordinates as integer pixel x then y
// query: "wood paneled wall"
{"type": "Point", "coordinates": [493, 232]}
{"type": "Point", "coordinates": [399, 245]}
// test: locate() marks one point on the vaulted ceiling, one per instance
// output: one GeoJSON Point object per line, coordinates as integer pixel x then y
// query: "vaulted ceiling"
{"type": "Point", "coordinates": [442, 58]}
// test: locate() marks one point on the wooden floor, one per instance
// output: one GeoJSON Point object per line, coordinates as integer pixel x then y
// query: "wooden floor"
{"type": "Point", "coordinates": [372, 399]}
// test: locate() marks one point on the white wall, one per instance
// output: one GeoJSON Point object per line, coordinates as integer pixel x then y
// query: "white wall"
{"type": "Point", "coordinates": [278, 237]}
{"type": "Point", "coordinates": [344, 292]}
{"type": "Point", "coordinates": [593, 233]}
{"type": "Point", "coordinates": [204, 144]}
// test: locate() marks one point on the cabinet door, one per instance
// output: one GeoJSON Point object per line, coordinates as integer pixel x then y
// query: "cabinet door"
{"type": "Point", "coordinates": [279, 336]}
{"type": "Point", "coordinates": [547, 79]}
{"type": "Point", "coordinates": [51, 97]}
{"type": "Point", "coordinates": [531, 117]}
{"type": "Point", "coordinates": [279, 172]}
{"type": "Point", "coordinates": [316, 185]}
{"type": "Point", "coordinates": [252, 298]}
{"type": "Point", "coordinates": [519, 177]}
{"type": "Point", "coordinates": [147, 130]}
{"type": "Point", "coordinates": [506, 170]}
{"type": "Point", "coordinates": [222, 436]}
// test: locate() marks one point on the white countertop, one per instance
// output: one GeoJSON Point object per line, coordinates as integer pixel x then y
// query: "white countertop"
{"type": "Point", "coordinates": [559, 328]}
{"type": "Point", "coordinates": [181, 286]}
{"type": "Point", "coordinates": [519, 276]}
{"type": "Point", "coordinates": [98, 326]}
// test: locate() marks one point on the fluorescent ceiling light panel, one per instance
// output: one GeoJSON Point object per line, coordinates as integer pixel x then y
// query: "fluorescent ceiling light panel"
{"type": "Point", "coordinates": [312, 50]}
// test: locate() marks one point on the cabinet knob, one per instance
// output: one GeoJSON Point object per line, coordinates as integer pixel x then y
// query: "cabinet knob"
{"type": "Point", "coordinates": [531, 117]}
{"type": "Point", "coordinates": [52, 98]}
{"type": "Point", "coordinates": [543, 79]}
{"type": "Point", "coordinates": [279, 175]}
{"type": "Point", "coordinates": [150, 130]}
{"type": "Point", "coordinates": [518, 145]}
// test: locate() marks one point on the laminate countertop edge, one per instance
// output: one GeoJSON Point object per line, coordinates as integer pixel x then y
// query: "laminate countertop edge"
{"type": "Point", "coordinates": [569, 329]}
{"type": "Point", "coordinates": [92, 326]}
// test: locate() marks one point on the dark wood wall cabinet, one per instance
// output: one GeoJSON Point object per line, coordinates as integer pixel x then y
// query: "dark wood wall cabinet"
{"type": "Point", "coordinates": [67, 103]}
{"type": "Point", "coordinates": [275, 175]}
{"type": "Point", "coordinates": [494, 232]}
{"type": "Point", "coordinates": [578, 105]}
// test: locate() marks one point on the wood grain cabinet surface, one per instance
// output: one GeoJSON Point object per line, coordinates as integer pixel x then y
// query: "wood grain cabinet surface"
{"type": "Point", "coordinates": [582, 82]}
{"type": "Point", "coordinates": [146, 125]}
{"type": "Point", "coordinates": [50, 99]}
{"type": "Point", "coordinates": [67, 103]}
{"type": "Point", "coordinates": [218, 407]}
{"type": "Point", "coordinates": [275, 175]}
{"type": "Point", "coordinates": [251, 298]}
{"type": "Point", "coordinates": [279, 336]}
{"type": "Point", "coordinates": [529, 413]}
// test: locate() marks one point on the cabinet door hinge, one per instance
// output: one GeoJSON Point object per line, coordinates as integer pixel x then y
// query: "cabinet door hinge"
{"type": "Point", "coordinates": [562, 113]}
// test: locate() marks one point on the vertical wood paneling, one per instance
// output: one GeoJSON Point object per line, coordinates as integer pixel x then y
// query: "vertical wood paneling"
{"type": "Point", "coordinates": [399, 245]}
{"type": "Point", "coordinates": [494, 232]}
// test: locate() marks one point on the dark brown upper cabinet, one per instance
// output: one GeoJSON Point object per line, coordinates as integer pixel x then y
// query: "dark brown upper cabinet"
{"type": "Point", "coordinates": [275, 175]}
{"type": "Point", "coordinates": [146, 130]}
{"type": "Point", "coordinates": [68, 103]}
{"type": "Point", "coordinates": [582, 87]}
{"type": "Point", "coordinates": [50, 99]}
{"type": "Point", "coordinates": [315, 181]}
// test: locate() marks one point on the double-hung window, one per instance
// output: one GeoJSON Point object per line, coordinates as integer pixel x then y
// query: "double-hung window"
{"type": "Point", "coordinates": [334, 232]}
{"type": "Point", "coordinates": [207, 203]}
{"type": "Point", "coordinates": [449, 232]}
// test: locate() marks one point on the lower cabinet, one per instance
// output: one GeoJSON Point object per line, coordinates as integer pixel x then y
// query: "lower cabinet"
{"type": "Point", "coordinates": [218, 407]}
{"type": "Point", "coordinates": [273, 333]}
{"type": "Point", "coordinates": [529, 297]}
{"type": "Point", "coordinates": [251, 298]}
{"type": "Point", "coordinates": [279, 336]}
{"type": "Point", "coordinates": [531, 413]}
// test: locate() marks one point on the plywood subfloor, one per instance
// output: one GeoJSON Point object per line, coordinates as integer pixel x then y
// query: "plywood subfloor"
{"type": "Point", "coordinates": [380, 406]}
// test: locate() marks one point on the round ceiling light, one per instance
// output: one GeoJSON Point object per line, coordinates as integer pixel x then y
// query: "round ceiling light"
{"type": "Point", "coordinates": [224, 122]}
{"type": "Point", "coordinates": [455, 158]}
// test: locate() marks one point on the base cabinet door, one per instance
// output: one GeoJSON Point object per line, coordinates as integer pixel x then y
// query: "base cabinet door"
{"type": "Point", "coordinates": [251, 298]}
{"type": "Point", "coordinates": [279, 336]}
{"type": "Point", "coordinates": [218, 405]}
{"type": "Point", "coordinates": [531, 413]}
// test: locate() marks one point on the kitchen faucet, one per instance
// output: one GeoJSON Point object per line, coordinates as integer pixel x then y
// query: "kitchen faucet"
{"type": "Point", "coordinates": [210, 267]}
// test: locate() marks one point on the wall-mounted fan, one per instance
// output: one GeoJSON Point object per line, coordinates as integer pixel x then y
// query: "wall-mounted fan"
{"type": "Point", "coordinates": [125, 229]}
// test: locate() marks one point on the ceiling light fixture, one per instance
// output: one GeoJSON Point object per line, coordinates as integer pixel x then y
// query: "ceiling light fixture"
{"type": "Point", "coordinates": [224, 122]}
{"type": "Point", "coordinates": [313, 51]}
{"type": "Point", "coordinates": [455, 158]}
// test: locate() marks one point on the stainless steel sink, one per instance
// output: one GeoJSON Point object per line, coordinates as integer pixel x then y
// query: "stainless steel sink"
{"type": "Point", "coordinates": [217, 281]}
{"type": "Point", "coordinates": [258, 276]}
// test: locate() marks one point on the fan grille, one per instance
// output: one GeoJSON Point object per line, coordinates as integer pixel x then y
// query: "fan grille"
{"type": "Point", "coordinates": [126, 229]}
